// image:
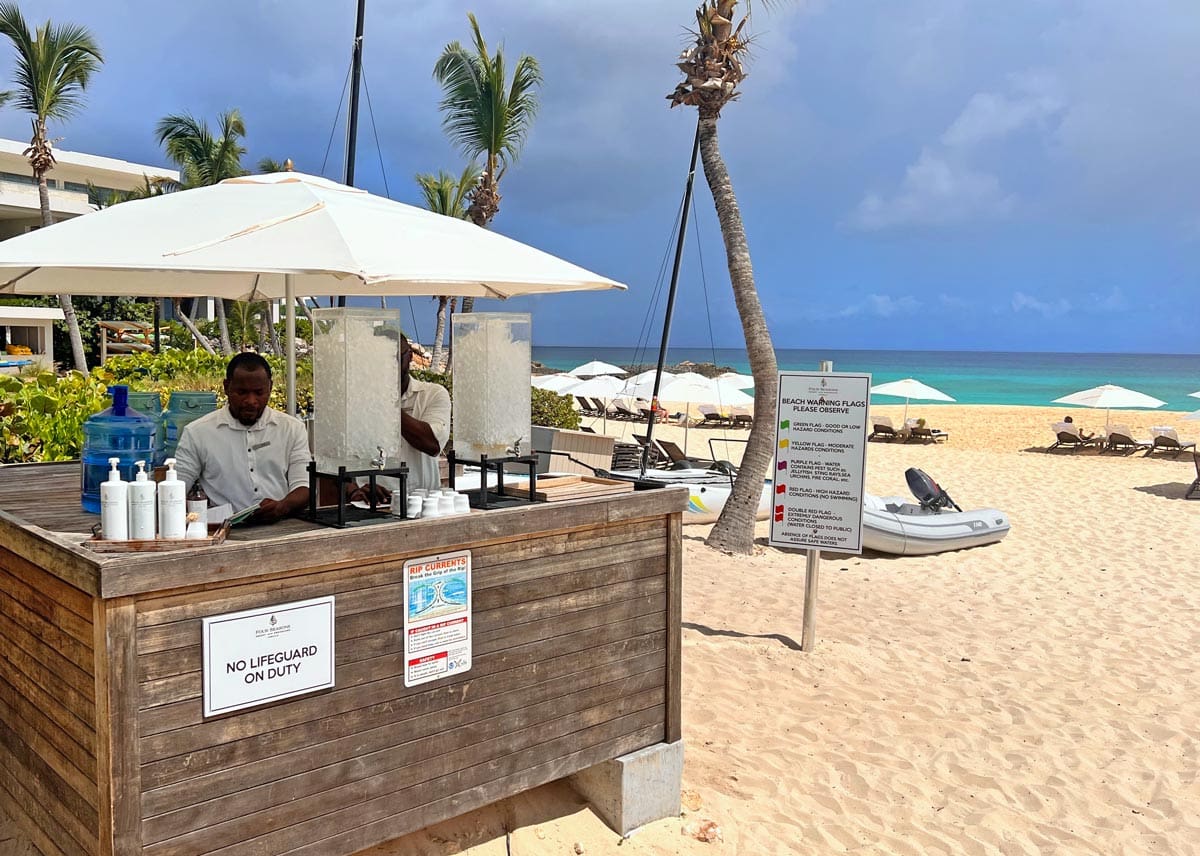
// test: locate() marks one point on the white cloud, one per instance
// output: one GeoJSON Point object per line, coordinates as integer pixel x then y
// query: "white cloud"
{"type": "Point", "coordinates": [1022, 302]}
{"type": "Point", "coordinates": [936, 190]}
{"type": "Point", "coordinates": [992, 115]}
{"type": "Point", "coordinates": [1112, 301]}
{"type": "Point", "coordinates": [873, 305]}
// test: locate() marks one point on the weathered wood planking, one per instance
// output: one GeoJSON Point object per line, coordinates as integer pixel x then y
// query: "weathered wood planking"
{"type": "Point", "coordinates": [48, 769]}
{"type": "Point", "coordinates": [576, 660]}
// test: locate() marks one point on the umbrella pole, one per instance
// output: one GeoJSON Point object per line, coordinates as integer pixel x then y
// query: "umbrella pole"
{"type": "Point", "coordinates": [906, 410]}
{"type": "Point", "coordinates": [289, 290]}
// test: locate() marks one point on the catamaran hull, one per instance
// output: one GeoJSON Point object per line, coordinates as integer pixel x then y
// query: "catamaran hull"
{"type": "Point", "coordinates": [893, 525]}
{"type": "Point", "coordinates": [707, 492]}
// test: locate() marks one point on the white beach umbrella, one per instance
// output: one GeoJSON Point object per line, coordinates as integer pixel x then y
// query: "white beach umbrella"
{"type": "Point", "coordinates": [689, 391]}
{"type": "Point", "coordinates": [553, 382]}
{"type": "Point", "coordinates": [1194, 394]}
{"type": "Point", "coordinates": [1109, 396]}
{"type": "Point", "coordinates": [910, 388]}
{"type": "Point", "coordinates": [605, 387]}
{"type": "Point", "coordinates": [648, 374]}
{"type": "Point", "coordinates": [596, 367]}
{"type": "Point", "coordinates": [741, 381]}
{"type": "Point", "coordinates": [279, 235]}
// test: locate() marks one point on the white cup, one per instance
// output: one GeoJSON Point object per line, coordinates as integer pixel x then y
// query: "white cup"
{"type": "Point", "coordinates": [462, 503]}
{"type": "Point", "coordinates": [445, 505]}
{"type": "Point", "coordinates": [429, 507]}
{"type": "Point", "coordinates": [414, 506]}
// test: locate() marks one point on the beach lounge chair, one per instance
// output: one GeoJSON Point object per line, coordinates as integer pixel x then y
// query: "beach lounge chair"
{"type": "Point", "coordinates": [925, 434]}
{"type": "Point", "coordinates": [678, 459]}
{"type": "Point", "coordinates": [882, 429]}
{"type": "Point", "coordinates": [712, 416]}
{"type": "Point", "coordinates": [1069, 437]}
{"type": "Point", "coordinates": [626, 456]}
{"type": "Point", "coordinates": [586, 407]}
{"type": "Point", "coordinates": [1120, 439]}
{"type": "Point", "coordinates": [742, 417]}
{"type": "Point", "coordinates": [621, 410]}
{"type": "Point", "coordinates": [1166, 440]}
{"type": "Point", "coordinates": [1195, 486]}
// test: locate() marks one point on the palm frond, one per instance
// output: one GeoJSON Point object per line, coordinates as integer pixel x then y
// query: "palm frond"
{"type": "Point", "coordinates": [53, 65]}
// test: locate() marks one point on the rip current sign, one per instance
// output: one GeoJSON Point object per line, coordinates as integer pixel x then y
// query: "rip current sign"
{"type": "Point", "coordinates": [437, 617]}
{"type": "Point", "coordinates": [268, 654]}
{"type": "Point", "coordinates": [821, 456]}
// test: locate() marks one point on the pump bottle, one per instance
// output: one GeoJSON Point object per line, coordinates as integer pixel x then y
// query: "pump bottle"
{"type": "Point", "coordinates": [172, 513]}
{"type": "Point", "coordinates": [141, 505]}
{"type": "Point", "coordinates": [114, 505]}
{"type": "Point", "coordinates": [197, 512]}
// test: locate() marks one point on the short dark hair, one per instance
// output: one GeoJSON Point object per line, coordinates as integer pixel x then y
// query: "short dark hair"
{"type": "Point", "coordinates": [247, 361]}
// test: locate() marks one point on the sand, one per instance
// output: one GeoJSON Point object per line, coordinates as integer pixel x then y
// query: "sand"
{"type": "Point", "coordinates": [1041, 695]}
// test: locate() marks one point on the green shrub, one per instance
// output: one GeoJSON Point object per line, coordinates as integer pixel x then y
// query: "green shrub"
{"type": "Point", "coordinates": [553, 410]}
{"type": "Point", "coordinates": [41, 417]}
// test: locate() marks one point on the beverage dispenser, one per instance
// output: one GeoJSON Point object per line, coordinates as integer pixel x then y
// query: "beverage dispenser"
{"type": "Point", "coordinates": [491, 411]}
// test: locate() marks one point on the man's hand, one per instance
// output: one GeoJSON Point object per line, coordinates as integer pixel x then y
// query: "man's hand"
{"type": "Point", "coordinates": [362, 493]}
{"type": "Point", "coordinates": [270, 511]}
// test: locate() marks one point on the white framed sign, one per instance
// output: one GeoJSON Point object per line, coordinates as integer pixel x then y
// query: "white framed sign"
{"type": "Point", "coordinates": [437, 617]}
{"type": "Point", "coordinates": [264, 655]}
{"type": "Point", "coordinates": [820, 461]}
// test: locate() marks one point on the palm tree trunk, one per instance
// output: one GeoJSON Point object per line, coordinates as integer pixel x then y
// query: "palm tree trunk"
{"type": "Point", "coordinates": [272, 332]}
{"type": "Point", "coordinates": [449, 345]}
{"type": "Point", "coordinates": [734, 529]}
{"type": "Point", "coordinates": [439, 335]}
{"type": "Point", "coordinates": [64, 300]}
{"type": "Point", "coordinates": [468, 304]}
{"type": "Point", "coordinates": [191, 327]}
{"type": "Point", "coordinates": [223, 326]}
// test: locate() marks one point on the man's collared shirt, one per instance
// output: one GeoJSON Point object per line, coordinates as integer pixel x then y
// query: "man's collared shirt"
{"type": "Point", "coordinates": [430, 403]}
{"type": "Point", "coordinates": [241, 464]}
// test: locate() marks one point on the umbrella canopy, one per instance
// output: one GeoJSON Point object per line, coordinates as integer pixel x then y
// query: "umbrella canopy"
{"type": "Point", "coordinates": [1109, 396]}
{"type": "Point", "coordinates": [910, 388]}
{"type": "Point", "coordinates": [741, 381]}
{"type": "Point", "coordinates": [554, 382]}
{"type": "Point", "coordinates": [704, 390]}
{"type": "Point", "coordinates": [596, 367]}
{"type": "Point", "coordinates": [601, 386]}
{"type": "Point", "coordinates": [280, 235]}
{"type": "Point", "coordinates": [1194, 394]}
{"type": "Point", "coordinates": [648, 374]}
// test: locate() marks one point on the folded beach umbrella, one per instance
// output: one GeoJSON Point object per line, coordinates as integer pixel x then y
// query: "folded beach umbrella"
{"type": "Point", "coordinates": [596, 367]}
{"type": "Point", "coordinates": [1109, 396]}
{"type": "Point", "coordinates": [910, 388]}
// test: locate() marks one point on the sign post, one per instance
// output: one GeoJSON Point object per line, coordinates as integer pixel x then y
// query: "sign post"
{"type": "Point", "coordinates": [821, 453]}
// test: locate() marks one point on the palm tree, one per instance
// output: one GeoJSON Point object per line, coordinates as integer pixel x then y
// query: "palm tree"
{"type": "Point", "coordinates": [445, 194]}
{"type": "Point", "coordinates": [204, 159]}
{"type": "Point", "coordinates": [485, 115]}
{"type": "Point", "coordinates": [53, 68]}
{"type": "Point", "coordinates": [712, 69]}
{"type": "Point", "coordinates": [270, 165]}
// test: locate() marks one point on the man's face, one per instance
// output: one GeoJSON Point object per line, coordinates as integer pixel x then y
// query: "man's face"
{"type": "Point", "coordinates": [406, 354]}
{"type": "Point", "coordinates": [248, 392]}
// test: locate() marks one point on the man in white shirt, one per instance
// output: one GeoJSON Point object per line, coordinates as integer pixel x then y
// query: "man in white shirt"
{"type": "Point", "coordinates": [248, 452]}
{"type": "Point", "coordinates": [424, 429]}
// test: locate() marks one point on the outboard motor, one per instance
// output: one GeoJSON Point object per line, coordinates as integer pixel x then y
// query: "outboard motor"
{"type": "Point", "coordinates": [927, 491]}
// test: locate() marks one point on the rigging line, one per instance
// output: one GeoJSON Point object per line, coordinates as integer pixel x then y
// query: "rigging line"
{"type": "Point", "coordinates": [375, 131]}
{"type": "Point", "coordinates": [336, 116]}
{"type": "Point", "coordinates": [413, 313]}
{"type": "Point", "coordinates": [712, 342]}
{"type": "Point", "coordinates": [643, 339]}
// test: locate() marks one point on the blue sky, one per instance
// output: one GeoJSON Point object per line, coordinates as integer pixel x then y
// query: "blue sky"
{"type": "Point", "coordinates": [929, 174]}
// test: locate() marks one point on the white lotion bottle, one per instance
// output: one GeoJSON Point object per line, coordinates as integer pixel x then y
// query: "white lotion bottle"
{"type": "Point", "coordinates": [172, 511]}
{"type": "Point", "coordinates": [114, 505]}
{"type": "Point", "coordinates": [142, 493]}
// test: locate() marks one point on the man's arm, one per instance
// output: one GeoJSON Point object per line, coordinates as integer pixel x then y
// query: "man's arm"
{"type": "Point", "coordinates": [271, 510]}
{"type": "Point", "coordinates": [188, 464]}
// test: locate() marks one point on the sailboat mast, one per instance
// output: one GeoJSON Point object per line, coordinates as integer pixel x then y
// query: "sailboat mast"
{"type": "Point", "coordinates": [352, 116]}
{"type": "Point", "coordinates": [666, 334]}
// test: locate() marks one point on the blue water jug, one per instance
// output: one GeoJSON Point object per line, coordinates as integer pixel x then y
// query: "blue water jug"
{"type": "Point", "coordinates": [118, 432]}
{"type": "Point", "coordinates": [182, 408]}
{"type": "Point", "coordinates": [150, 404]}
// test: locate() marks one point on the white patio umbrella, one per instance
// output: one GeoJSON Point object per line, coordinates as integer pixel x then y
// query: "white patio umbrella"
{"type": "Point", "coordinates": [741, 381]}
{"type": "Point", "coordinates": [648, 374]}
{"type": "Point", "coordinates": [910, 388]}
{"type": "Point", "coordinates": [283, 235]}
{"type": "Point", "coordinates": [1194, 394]}
{"type": "Point", "coordinates": [605, 387]}
{"type": "Point", "coordinates": [1109, 396]}
{"type": "Point", "coordinates": [596, 367]}
{"type": "Point", "coordinates": [554, 382]}
{"type": "Point", "coordinates": [689, 391]}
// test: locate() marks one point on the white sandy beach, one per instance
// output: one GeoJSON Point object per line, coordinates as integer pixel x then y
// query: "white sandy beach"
{"type": "Point", "coordinates": [1041, 695]}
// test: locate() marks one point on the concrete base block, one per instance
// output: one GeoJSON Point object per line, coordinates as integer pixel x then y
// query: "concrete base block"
{"type": "Point", "coordinates": [635, 789]}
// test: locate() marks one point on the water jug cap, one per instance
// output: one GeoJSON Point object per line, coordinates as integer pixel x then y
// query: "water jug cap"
{"type": "Point", "coordinates": [170, 476]}
{"type": "Point", "coordinates": [114, 474]}
{"type": "Point", "coordinates": [120, 397]}
{"type": "Point", "coordinates": [141, 473]}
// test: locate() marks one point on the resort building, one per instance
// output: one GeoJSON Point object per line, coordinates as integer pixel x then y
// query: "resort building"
{"type": "Point", "coordinates": [20, 210]}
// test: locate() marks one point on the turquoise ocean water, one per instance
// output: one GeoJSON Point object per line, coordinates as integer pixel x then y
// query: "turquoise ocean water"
{"type": "Point", "coordinates": [970, 377]}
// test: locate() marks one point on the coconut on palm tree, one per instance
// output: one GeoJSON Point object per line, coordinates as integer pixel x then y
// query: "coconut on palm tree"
{"type": "Point", "coordinates": [54, 66]}
{"type": "Point", "coordinates": [445, 194]}
{"type": "Point", "coordinates": [486, 115]}
{"type": "Point", "coordinates": [204, 159]}
{"type": "Point", "coordinates": [712, 68]}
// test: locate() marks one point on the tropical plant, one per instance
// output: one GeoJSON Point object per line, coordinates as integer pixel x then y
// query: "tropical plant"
{"type": "Point", "coordinates": [552, 410]}
{"type": "Point", "coordinates": [53, 69]}
{"type": "Point", "coordinates": [712, 69]}
{"type": "Point", "coordinates": [205, 159]}
{"type": "Point", "coordinates": [445, 194]}
{"type": "Point", "coordinates": [42, 416]}
{"type": "Point", "coordinates": [485, 115]}
{"type": "Point", "coordinates": [157, 186]}
{"type": "Point", "coordinates": [269, 165]}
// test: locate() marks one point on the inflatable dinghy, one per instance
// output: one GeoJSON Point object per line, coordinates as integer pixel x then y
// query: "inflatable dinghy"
{"type": "Point", "coordinates": [893, 524]}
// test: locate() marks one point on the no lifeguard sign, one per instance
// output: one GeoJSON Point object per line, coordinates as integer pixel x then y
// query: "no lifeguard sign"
{"type": "Point", "coordinates": [820, 461]}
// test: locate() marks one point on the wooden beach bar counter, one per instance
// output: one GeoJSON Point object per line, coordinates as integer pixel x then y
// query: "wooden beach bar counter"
{"type": "Point", "coordinates": [104, 746]}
